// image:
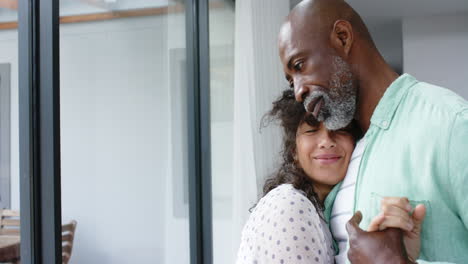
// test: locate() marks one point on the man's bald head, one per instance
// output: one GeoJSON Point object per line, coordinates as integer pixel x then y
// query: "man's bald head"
{"type": "Point", "coordinates": [316, 19]}
{"type": "Point", "coordinates": [327, 54]}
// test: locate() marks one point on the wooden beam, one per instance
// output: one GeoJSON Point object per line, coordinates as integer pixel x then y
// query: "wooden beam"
{"type": "Point", "coordinates": [8, 25]}
{"type": "Point", "coordinates": [178, 8]}
{"type": "Point", "coordinates": [10, 4]}
{"type": "Point", "coordinates": [121, 14]}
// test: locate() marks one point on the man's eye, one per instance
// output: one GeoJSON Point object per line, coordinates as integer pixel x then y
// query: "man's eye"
{"type": "Point", "coordinates": [298, 66]}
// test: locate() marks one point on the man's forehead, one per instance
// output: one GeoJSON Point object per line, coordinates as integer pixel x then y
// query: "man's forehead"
{"type": "Point", "coordinates": [286, 31]}
{"type": "Point", "coordinates": [294, 38]}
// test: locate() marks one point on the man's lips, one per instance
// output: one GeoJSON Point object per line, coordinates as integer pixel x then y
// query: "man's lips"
{"type": "Point", "coordinates": [327, 158]}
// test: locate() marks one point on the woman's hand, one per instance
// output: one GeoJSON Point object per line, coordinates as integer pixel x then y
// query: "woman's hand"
{"type": "Point", "coordinates": [397, 212]}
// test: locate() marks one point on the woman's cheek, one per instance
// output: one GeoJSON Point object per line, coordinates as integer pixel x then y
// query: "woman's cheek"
{"type": "Point", "coordinates": [347, 143]}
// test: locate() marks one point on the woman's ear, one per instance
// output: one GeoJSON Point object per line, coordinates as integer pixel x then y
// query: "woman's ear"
{"type": "Point", "coordinates": [342, 37]}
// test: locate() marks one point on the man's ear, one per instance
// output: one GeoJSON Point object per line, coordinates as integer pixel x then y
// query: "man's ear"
{"type": "Point", "coordinates": [342, 37]}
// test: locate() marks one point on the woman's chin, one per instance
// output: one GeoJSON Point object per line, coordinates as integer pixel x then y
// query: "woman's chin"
{"type": "Point", "coordinates": [331, 178]}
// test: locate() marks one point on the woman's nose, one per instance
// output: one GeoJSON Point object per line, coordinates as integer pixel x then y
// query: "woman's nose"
{"type": "Point", "coordinates": [326, 141]}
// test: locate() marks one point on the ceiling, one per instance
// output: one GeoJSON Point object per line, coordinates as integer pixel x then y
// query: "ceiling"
{"type": "Point", "coordinates": [381, 10]}
{"type": "Point", "coordinates": [403, 8]}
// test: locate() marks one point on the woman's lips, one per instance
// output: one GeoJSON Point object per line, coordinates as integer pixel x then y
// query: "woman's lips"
{"type": "Point", "coordinates": [327, 158]}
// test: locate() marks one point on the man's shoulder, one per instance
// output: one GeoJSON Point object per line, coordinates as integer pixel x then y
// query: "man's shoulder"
{"type": "Point", "coordinates": [437, 98]}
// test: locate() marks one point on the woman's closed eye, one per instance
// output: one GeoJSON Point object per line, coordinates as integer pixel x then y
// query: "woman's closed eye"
{"type": "Point", "coordinates": [312, 130]}
{"type": "Point", "coordinates": [343, 131]}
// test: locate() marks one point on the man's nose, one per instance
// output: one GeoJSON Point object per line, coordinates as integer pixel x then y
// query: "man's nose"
{"type": "Point", "coordinates": [326, 140]}
{"type": "Point", "coordinates": [300, 90]}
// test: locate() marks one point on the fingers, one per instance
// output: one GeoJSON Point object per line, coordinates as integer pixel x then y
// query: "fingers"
{"type": "Point", "coordinates": [396, 212]}
{"type": "Point", "coordinates": [376, 222]}
{"type": "Point", "coordinates": [390, 210]}
{"type": "Point", "coordinates": [399, 202]}
{"type": "Point", "coordinates": [418, 217]}
{"type": "Point", "coordinates": [396, 222]}
{"type": "Point", "coordinates": [352, 226]}
{"type": "Point", "coordinates": [419, 214]}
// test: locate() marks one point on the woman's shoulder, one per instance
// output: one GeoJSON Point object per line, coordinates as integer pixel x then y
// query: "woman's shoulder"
{"type": "Point", "coordinates": [286, 225]}
{"type": "Point", "coordinates": [286, 200]}
{"type": "Point", "coordinates": [286, 193]}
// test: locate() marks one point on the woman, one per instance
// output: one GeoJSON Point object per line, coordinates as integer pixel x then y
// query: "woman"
{"type": "Point", "coordinates": [287, 225]}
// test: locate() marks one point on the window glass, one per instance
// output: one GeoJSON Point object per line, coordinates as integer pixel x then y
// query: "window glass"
{"type": "Point", "coordinates": [9, 133]}
{"type": "Point", "coordinates": [123, 130]}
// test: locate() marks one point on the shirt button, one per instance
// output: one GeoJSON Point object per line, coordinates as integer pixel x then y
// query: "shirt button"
{"type": "Point", "coordinates": [384, 123]}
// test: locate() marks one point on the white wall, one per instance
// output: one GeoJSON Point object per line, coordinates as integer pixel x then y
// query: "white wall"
{"type": "Point", "coordinates": [387, 36]}
{"type": "Point", "coordinates": [435, 50]}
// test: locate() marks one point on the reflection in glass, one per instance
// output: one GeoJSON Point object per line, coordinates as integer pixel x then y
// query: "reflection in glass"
{"type": "Point", "coordinates": [123, 130]}
{"type": "Point", "coordinates": [9, 134]}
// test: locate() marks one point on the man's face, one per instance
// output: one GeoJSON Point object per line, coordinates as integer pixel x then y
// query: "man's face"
{"type": "Point", "coordinates": [321, 79]}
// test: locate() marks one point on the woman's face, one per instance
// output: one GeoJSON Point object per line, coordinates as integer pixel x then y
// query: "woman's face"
{"type": "Point", "coordinates": [324, 155]}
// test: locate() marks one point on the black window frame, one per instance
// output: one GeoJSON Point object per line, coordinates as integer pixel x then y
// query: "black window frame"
{"type": "Point", "coordinates": [39, 123]}
{"type": "Point", "coordinates": [199, 142]}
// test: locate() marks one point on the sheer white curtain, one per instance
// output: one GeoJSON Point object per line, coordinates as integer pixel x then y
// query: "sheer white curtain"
{"type": "Point", "coordinates": [258, 81]}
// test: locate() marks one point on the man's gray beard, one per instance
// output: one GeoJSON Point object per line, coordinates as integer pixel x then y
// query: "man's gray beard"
{"type": "Point", "coordinates": [339, 104]}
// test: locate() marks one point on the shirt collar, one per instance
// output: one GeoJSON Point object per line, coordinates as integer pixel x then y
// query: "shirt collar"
{"type": "Point", "coordinates": [388, 104]}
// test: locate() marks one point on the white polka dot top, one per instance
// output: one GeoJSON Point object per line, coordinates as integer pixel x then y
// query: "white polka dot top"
{"type": "Point", "coordinates": [285, 228]}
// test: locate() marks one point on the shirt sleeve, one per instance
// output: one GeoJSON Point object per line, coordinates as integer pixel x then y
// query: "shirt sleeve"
{"type": "Point", "coordinates": [288, 230]}
{"type": "Point", "coordinates": [458, 167]}
{"type": "Point", "coordinates": [458, 164]}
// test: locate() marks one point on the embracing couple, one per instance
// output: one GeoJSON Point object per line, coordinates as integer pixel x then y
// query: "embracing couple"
{"type": "Point", "coordinates": [374, 165]}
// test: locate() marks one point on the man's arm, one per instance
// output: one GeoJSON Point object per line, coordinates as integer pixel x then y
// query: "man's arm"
{"type": "Point", "coordinates": [457, 160]}
{"type": "Point", "coordinates": [458, 164]}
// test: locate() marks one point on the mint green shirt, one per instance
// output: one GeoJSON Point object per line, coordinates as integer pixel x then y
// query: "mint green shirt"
{"type": "Point", "coordinates": [417, 147]}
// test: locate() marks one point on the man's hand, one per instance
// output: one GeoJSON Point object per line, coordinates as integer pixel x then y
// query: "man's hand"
{"type": "Point", "coordinates": [378, 247]}
{"type": "Point", "coordinates": [395, 212]}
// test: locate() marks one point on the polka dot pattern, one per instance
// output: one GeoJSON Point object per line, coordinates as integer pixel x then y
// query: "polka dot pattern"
{"type": "Point", "coordinates": [285, 228]}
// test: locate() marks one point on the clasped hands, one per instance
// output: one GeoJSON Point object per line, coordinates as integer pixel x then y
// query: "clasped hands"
{"type": "Point", "coordinates": [394, 236]}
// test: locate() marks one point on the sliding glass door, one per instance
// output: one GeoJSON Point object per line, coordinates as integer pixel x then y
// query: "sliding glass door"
{"type": "Point", "coordinates": [112, 126]}
{"type": "Point", "coordinates": [124, 152]}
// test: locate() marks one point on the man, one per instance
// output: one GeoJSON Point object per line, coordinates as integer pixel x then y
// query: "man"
{"type": "Point", "coordinates": [415, 143]}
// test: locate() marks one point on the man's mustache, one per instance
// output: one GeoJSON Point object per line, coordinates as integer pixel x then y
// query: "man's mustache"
{"type": "Point", "coordinates": [314, 102]}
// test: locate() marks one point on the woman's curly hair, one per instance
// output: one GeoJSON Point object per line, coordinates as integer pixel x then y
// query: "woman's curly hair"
{"type": "Point", "coordinates": [291, 114]}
